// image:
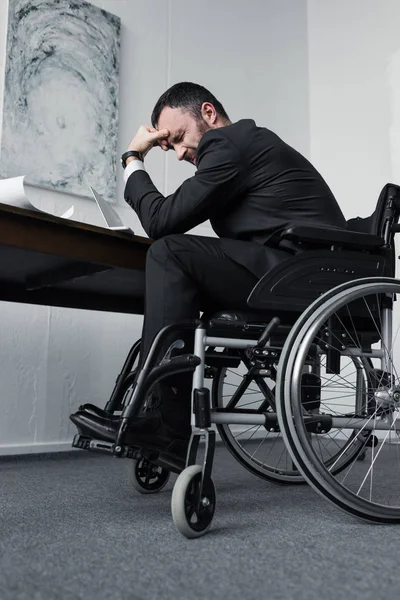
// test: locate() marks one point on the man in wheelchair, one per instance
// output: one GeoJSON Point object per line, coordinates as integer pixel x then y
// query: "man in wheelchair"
{"type": "Point", "coordinates": [251, 186]}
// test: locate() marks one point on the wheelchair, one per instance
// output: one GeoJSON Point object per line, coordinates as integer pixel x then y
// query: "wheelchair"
{"type": "Point", "coordinates": [301, 388]}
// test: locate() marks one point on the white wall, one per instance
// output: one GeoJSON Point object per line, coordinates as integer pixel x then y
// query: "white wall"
{"type": "Point", "coordinates": [252, 56]}
{"type": "Point", "coordinates": [354, 77]}
{"type": "Point", "coordinates": [254, 59]}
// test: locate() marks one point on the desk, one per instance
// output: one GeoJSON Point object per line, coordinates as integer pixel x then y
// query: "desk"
{"type": "Point", "coordinates": [57, 262]}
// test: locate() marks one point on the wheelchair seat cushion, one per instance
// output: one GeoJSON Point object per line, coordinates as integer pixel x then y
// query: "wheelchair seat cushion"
{"type": "Point", "coordinates": [234, 318]}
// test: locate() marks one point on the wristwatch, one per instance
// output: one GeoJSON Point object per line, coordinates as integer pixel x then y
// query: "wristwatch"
{"type": "Point", "coordinates": [126, 155]}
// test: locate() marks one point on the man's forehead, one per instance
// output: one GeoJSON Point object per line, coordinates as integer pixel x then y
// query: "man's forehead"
{"type": "Point", "coordinates": [172, 118]}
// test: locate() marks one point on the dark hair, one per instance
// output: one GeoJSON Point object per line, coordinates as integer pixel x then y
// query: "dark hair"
{"type": "Point", "coordinates": [189, 96]}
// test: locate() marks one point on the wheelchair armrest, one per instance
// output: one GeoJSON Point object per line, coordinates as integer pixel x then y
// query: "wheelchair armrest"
{"type": "Point", "coordinates": [328, 236]}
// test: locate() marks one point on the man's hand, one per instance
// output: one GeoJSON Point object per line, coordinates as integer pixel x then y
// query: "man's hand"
{"type": "Point", "coordinates": [147, 137]}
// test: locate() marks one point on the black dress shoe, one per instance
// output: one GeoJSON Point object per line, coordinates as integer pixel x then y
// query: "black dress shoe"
{"type": "Point", "coordinates": [94, 426]}
{"type": "Point", "coordinates": [96, 410]}
{"type": "Point", "coordinates": [106, 429]}
{"type": "Point", "coordinates": [148, 433]}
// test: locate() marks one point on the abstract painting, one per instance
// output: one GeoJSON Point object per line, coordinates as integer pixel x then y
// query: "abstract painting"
{"type": "Point", "coordinates": [60, 110]}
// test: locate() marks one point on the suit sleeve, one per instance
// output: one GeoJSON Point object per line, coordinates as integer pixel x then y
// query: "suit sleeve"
{"type": "Point", "coordinates": [219, 180]}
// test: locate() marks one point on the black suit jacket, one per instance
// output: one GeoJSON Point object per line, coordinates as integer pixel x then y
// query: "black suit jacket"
{"type": "Point", "coordinates": [250, 185]}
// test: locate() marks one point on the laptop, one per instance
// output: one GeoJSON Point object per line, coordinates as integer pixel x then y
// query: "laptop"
{"type": "Point", "coordinates": [110, 215]}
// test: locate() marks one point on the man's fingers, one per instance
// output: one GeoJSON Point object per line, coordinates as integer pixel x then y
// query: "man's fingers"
{"type": "Point", "coordinates": [146, 137]}
{"type": "Point", "coordinates": [160, 134]}
{"type": "Point", "coordinates": [162, 143]}
{"type": "Point", "coordinates": [154, 134]}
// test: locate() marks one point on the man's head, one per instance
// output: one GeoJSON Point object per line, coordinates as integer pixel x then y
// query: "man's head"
{"type": "Point", "coordinates": [187, 110]}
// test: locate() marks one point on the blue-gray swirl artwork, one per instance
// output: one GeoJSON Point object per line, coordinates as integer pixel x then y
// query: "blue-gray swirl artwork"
{"type": "Point", "coordinates": [60, 112]}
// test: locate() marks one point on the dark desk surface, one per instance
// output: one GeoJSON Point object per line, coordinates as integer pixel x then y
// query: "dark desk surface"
{"type": "Point", "coordinates": [59, 262]}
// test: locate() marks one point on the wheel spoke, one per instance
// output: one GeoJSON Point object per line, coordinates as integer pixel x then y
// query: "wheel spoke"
{"type": "Point", "coordinates": [374, 458]}
{"type": "Point", "coordinates": [237, 395]}
{"type": "Point", "coordinates": [356, 464]}
{"type": "Point", "coordinates": [257, 449]}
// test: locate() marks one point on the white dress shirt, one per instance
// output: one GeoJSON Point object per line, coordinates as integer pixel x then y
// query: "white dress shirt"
{"type": "Point", "coordinates": [133, 165]}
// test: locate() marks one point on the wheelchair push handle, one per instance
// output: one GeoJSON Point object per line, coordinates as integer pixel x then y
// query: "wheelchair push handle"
{"type": "Point", "coordinates": [268, 331]}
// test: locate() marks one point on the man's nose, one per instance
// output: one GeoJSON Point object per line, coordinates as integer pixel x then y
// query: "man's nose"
{"type": "Point", "coordinates": [180, 152]}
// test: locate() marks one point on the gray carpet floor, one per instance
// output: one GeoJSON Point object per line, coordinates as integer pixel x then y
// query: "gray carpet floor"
{"type": "Point", "coordinates": [71, 527]}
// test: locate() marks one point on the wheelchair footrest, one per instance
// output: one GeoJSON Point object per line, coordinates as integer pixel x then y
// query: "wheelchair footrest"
{"type": "Point", "coordinates": [87, 443]}
{"type": "Point", "coordinates": [81, 441]}
{"type": "Point", "coordinates": [163, 460]}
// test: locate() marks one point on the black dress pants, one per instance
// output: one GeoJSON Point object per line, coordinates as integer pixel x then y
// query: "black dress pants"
{"type": "Point", "coordinates": [185, 275]}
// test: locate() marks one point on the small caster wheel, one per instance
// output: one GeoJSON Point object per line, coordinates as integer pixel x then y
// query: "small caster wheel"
{"type": "Point", "coordinates": [192, 515]}
{"type": "Point", "coordinates": [146, 477]}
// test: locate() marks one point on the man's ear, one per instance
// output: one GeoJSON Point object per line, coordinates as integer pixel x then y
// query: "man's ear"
{"type": "Point", "coordinates": [209, 113]}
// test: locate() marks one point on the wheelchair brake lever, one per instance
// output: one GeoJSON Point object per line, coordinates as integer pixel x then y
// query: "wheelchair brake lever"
{"type": "Point", "coordinates": [268, 331]}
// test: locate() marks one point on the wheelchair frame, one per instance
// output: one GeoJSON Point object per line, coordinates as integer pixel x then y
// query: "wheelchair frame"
{"type": "Point", "coordinates": [341, 265]}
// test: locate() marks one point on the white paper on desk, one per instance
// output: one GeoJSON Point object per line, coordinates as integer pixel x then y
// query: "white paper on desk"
{"type": "Point", "coordinates": [68, 214]}
{"type": "Point", "coordinates": [12, 192]}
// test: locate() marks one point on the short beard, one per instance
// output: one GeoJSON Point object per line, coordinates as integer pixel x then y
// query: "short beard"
{"type": "Point", "coordinates": [202, 127]}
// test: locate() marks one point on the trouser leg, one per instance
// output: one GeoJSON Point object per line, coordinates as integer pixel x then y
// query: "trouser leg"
{"type": "Point", "coordinates": [183, 272]}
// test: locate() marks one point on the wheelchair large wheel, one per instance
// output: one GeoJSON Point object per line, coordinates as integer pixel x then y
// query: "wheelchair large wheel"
{"type": "Point", "coordinates": [359, 410]}
{"type": "Point", "coordinates": [260, 451]}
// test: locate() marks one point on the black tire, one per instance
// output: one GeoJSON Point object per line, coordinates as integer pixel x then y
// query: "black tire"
{"type": "Point", "coordinates": [365, 488]}
{"type": "Point", "coordinates": [192, 515]}
{"type": "Point", "coordinates": [147, 478]}
{"type": "Point", "coordinates": [279, 470]}
{"type": "Point", "coordinates": [269, 458]}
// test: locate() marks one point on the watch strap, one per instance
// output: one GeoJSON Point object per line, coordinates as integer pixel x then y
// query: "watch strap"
{"type": "Point", "coordinates": [129, 153]}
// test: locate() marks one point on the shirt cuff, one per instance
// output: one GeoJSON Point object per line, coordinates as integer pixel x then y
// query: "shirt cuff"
{"type": "Point", "coordinates": [133, 165]}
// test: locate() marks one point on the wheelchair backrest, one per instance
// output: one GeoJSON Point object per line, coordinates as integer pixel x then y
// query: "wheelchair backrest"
{"type": "Point", "coordinates": [385, 215]}
{"type": "Point", "coordinates": [382, 220]}
{"type": "Point", "coordinates": [303, 277]}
